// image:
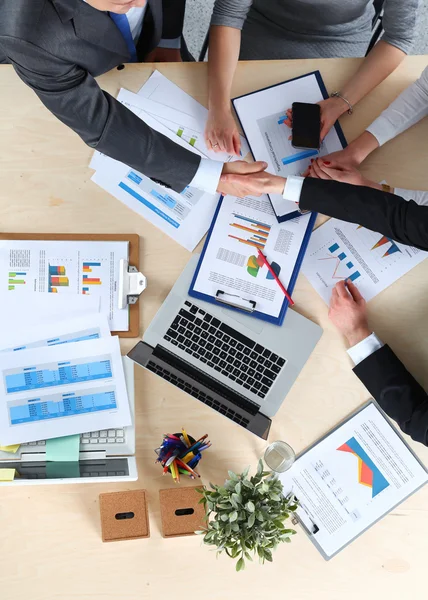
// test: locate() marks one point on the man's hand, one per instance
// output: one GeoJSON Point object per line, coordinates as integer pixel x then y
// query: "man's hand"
{"type": "Point", "coordinates": [221, 132]}
{"type": "Point", "coordinates": [321, 168]}
{"type": "Point", "coordinates": [242, 179]}
{"type": "Point", "coordinates": [164, 55]}
{"type": "Point", "coordinates": [348, 312]}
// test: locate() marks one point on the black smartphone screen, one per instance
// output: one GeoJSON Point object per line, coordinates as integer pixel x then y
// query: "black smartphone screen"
{"type": "Point", "coordinates": [306, 125]}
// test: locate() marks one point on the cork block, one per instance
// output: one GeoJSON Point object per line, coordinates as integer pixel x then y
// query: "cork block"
{"type": "Point", "coordinates": [181, 513]}
{"type": "Point", "coordinates": [124, 516]}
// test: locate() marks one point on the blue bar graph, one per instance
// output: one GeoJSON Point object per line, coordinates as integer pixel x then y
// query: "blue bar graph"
{"type": "Point", "coordinates": [341, 256]}
{"type": "Point", "coordinates": [299, 156]}
{"type": "Point", "coordinates": [334, 248]}
{"type": "Point", "coordinates": [281, 120]}
{"type": "Point", "coordinates": [349, 265]}
{"type": "Point", "coordinates": [354, 276]}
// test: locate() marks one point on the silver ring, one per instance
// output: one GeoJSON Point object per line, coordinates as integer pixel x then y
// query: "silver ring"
{"type": "Point", "coordinates": [214, 145]}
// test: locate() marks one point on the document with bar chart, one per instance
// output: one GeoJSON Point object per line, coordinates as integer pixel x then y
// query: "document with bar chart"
{"type": "Point", "coordinates": [263, 118]}
{"type": "Point", "coordinates": [340, 251]}
{"type": "Point", "coordinates": [62, 390]}
{"type": "Point", "coordinates": [66, 267]}
{"type": "Point", "coordinates": [231, 262]}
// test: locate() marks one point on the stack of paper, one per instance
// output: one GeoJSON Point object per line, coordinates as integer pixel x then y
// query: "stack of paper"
{"type": "Point", "coordinates": [61, 377]}
{"type": "Point", "coordinates": [185, 217]}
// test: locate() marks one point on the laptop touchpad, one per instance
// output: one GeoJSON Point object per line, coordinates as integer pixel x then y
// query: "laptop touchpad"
{"type": "Point", "coordinates": [249, 322]}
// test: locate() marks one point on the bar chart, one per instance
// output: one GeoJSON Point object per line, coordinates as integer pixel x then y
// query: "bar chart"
{"type": "Point", "coordinates": [341, 268]}
{"type": "Point", "coordinates": [249, 232]}
{"type": "Point", "coordinates": [87, 278]}
{"type": "Point", "coordinates": [16, 279]}
{"type": "Point", "coordinates": [57, 278]}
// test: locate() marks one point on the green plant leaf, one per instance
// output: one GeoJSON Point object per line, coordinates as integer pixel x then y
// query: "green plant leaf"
{"type": "Point", "coordinates": [251, 520]}
{"type": "Point", "coordinates": [224, 517]}
{"type": "Point", "coordinates": [247, 484]}
{"type": "Point", "coordinates": [245, 473]}
{"type": "Point", "coordinates": [233, 476]}
{"type": "Point", "coordinates": [275, 497]}
{"type": "Point", "coordinates": [240, 565]}
{"type": "Point", "coordinates": [248, 556]}
{"type": "Point", "coordinates": [233, 516]}
{"type": "Point", "coordinates": [238, 487]}
{"type": "Point", "coordinates": [260, 467]}
{"type": "Point", "coordinates": [250, 506]}
{"type": "Point", "coordinates": [267, 554]}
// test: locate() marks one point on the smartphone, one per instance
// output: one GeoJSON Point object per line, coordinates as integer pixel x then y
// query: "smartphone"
{"type": "Point", "coordinates": [306, 125]}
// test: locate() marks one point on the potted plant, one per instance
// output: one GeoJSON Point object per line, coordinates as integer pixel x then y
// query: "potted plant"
{"type": "Point", "coordinates": [246, 515]}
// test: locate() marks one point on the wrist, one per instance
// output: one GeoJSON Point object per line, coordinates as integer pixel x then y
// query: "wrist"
{"type": "Point", "coordinates": [360, 148]}
{"type": "Point", "coordinates": [219, 105]}
{"type": "Point", "coordinates": [338, 105]}
{"type": "Point", "coordinates": [358, 335]}
{"type": "Point", "coordinates": [277, 184]}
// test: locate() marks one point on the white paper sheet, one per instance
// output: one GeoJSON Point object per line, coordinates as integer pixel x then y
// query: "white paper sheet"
{"type": "Point", "coordinates": [62, 390]}
{"type": "Point", "coordinates": [181, 111]}
{"type": "Point", "coordinates": [231, 262]}
{"type": "Point", "coordinates": [338, 251]}
{"type": "Point", "coordinates": [352, 478]}
{"type": "Point", "coordinates": [56, 332]}
{"type": "Point", "coordinates": [88, 268]}
{"type": "Point", "coordinates": [262, 115]}
{"type": "Point", "coordinates": [21, 311]}
{"type": "Point", "coordinates": [184, 217]}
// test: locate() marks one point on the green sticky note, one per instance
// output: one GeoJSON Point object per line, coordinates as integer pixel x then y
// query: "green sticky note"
{"type": "Point", "coordinates": [63, 449]}
{"type": "Point", "coordinates": [62, 470]}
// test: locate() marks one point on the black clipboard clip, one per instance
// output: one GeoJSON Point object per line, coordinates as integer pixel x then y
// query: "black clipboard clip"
{"type": "Point", "coordinates": [236, 301]}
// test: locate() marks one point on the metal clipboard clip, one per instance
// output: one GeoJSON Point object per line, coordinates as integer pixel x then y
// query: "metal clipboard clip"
{"type": "Point", "coordinates": [131, 284]}
{"type": "Point", "coordinates": [235, 301]}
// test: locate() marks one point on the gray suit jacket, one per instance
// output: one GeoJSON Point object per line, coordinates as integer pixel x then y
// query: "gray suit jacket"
{"type": "Point", "coordinates": [57, 47]}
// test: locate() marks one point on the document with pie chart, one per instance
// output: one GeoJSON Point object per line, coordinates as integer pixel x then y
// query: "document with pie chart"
{"type": "Point", "coordinates": [352, 478]}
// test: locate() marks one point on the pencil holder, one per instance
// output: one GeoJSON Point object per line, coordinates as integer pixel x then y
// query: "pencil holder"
{"type": "Point", "coordinates": [180, 454]}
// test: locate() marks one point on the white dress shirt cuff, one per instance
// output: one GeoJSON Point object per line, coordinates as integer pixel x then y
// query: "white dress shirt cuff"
{"type": "Point", "coordinates": [207, 176]}
{"type": "Point", "coordinates": [364, 348]}
{"type": "Point", "coordinates": [382, 129]}
{"type": "Point", "coordinates": [293, 188]}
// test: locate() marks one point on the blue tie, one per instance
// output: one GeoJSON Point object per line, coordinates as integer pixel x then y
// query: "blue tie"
{"type": "Point", "coordinates": [122, 24]}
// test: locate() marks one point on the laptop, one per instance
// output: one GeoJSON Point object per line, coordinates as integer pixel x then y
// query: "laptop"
{"type": "Point", "coordinates": [105, 456]}
{"type": "Point", "coordinates": [240, 366]}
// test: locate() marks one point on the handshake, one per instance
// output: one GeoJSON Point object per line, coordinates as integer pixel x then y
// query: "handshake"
{"type": "Point", "coordinates": [249, 179]}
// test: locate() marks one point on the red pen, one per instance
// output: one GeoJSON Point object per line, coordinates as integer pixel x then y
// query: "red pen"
{"type": "Point", "coordinates": [275, 276]}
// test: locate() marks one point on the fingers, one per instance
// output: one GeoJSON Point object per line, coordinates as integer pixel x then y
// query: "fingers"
{"type": "Point", "coordinates": [289, 120]}
{"type": "Point", "coordinates": [236, 141]}
{"type": "Point", "coordinates": [319, 172]}
{"type": "Point", "coordinates": [229, 142]}
{"type": "Point", "coordinates": [254, 167]}
{"type": "Point", "coordinates": [355, 292]}
{"type": "Point", "coordinates": [341, 289]}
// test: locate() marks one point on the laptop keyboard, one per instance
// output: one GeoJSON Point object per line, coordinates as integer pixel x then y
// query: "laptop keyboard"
{"type": "Point", "coordinates": [197, 393]}
{"type": "Point", "coordinates": [106, 436]}
{"type": "Point", "coordinates": [224, 349]}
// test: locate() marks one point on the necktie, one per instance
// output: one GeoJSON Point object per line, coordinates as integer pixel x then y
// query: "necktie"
{"type": "Point", "coordinates": [122, 24]}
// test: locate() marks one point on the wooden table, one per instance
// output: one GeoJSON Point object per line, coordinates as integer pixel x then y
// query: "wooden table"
{"type": "Point", "coordinates": [50, 546]}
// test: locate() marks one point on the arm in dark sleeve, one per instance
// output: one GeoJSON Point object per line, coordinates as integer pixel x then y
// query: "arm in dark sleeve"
{"type": "Point", "coordinates": [102, 122]}
{"type": "Point", "coordinates": [391, 215]}
{"type": "Point", "coordinates": [173, 18]}
{"type": "Point", "coordinates": [396, 391]}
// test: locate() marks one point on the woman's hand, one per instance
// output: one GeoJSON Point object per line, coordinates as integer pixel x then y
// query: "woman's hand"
{"type": "Point", "coordinates": [221, 132]}
{"type": "Point", "coordinates": [326, 169]}
{"type": "Point", "coordinates": [331, 110]}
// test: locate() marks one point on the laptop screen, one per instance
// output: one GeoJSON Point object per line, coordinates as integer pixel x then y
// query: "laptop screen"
{"type": "Point", "coordinates": [111, 467]}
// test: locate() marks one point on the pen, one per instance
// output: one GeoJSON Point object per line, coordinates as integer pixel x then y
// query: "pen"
{"type": "Point", "coordinates": [275, 276]}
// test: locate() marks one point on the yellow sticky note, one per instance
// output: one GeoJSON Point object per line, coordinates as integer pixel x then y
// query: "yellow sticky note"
{"type": "Point", "coordinates": [11, 449]}
{"type": "Point", "coordinates": [7, 474]}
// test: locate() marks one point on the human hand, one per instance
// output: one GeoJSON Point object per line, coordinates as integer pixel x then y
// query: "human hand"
{"type": "Point", "coordinates": [348, 312]}
{"type": "Point", "coordinates": [326, 169]}
{"type": "Point", "coordinates": [221, 132]}
{"type": "Point", "coordinates": [240, 179]}
{"type": "Point", "coordinates": [331, 110]}
{"type": "Point", "coordinates": [164, 55]}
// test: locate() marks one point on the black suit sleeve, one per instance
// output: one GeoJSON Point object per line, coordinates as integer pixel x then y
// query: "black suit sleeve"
{"type": "Point", "coordinates": [396, 391]}
{"type": "Point", "coordinates": [75, 98]}
{"type": "Point", "coordinates": [173, 18]}
{"type": "Point", "coordinates": [391, 215]}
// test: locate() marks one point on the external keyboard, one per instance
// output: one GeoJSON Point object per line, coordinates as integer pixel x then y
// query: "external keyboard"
{"type": "Point", "coordinates": [224, 349]}
{"type": "Point", "coordinates": [106, 436]}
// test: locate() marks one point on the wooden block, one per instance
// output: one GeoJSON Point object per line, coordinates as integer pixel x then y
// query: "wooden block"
{"type": "Point", "coordinates": [180, 512]}
{"type": "Point", "coordinates": [124, 516]}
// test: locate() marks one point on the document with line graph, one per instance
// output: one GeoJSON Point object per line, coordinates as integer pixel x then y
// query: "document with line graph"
{"type": "Point", "coordinates": [231, 263]}
{"type": "Point", "coordinates": [263, 118]}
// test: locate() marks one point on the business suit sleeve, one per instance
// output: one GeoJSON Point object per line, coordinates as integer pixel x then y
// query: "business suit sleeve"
{"type": "Point", "coordinates": [396, 391]}
{"type": "Point", "coordinates": [173, 18]}
{"type": "Point", "coordinates": [391, 215]}
{"type": "Point", "coordinates": [74, 96]}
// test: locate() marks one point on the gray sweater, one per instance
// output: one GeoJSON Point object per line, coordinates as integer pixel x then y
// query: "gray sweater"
{"type": "Point", "coordinates": [314, 28]}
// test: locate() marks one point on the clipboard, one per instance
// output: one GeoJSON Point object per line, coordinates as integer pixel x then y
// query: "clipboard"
{"type": "Point", "coordinates": [311, 534]}
{"type": "Point", "coordinates": [133, 257]}
{"type": "Point", "coordinates": [337, 127]}
{"type": "Point", "coordinates": [245, 304]}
